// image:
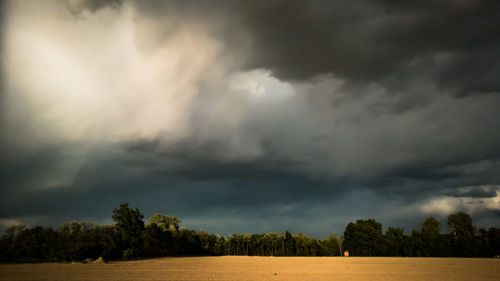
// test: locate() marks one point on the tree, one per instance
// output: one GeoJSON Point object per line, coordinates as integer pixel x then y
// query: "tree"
{"type": "Point", "coordinates": [364, 238]}
{"type": "Point", "coordinates": [71, 241]}
{"type": "Point", "coordinates": [431, 227]}
{"type": "Point", "coordinates": [431, 240]}
{"type": "Point", "coordinates": [131, 225]}
{"type": "Point", "coordinates": [394, 240]}
{"type": "Point", "coordinates": [461, 225]}
{"type": "Point", "coordinates": [165, 222]}
{"type": "Point", "coordinates": [463, 232]}
{"type": "Point", "coordinates": [162, 236]}
{"type": "Point", "coordinates": [331, 246]}
{"type": "Point", "coordinates": [289, 244]}
{"type": "Point", "coordinates": [494, 240]}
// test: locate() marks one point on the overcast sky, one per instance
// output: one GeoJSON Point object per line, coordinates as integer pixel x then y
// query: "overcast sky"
{"type": "Point", "coordinates": [251, 116]}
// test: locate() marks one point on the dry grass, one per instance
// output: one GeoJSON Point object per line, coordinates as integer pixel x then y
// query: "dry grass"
{"type": "Point", "coordinates": [262, 268]}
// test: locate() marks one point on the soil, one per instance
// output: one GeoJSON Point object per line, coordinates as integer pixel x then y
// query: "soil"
{"type": "Point", "coordinates": [262, 268]}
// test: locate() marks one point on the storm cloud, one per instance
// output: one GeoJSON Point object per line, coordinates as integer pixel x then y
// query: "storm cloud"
{"type": "Point", "coordinates": [245, 116]}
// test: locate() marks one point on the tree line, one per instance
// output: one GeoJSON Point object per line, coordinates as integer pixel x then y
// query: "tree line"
{"type": "Point", "coordinates": [365, 238]}
{"type": "Point", "coordinates": [131, 237]}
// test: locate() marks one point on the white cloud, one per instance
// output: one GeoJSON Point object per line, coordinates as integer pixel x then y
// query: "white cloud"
{"type": "Point", "coordinates": [445, 205]}
{"type": "Point", "coordinates": [87, 78]}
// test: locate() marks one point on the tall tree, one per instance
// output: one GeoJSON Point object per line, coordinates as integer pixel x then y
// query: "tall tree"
{"type": "Point", "coordinates": [463, 233]}
{"type": "Point", "coordinates": [494, 240]}
{"type": "Point", "coordinates": [461, 224]}
{"type": "Point", "coordinates": [431, 241]}
{"type": "Point", "coordinates": [431, 227]}
{"type": "Point", "coordinates": [394, 241]}
{"type": "Point", "coordinates": [364, 238]}
{"type": "Point", "coordinates": [131, 225]}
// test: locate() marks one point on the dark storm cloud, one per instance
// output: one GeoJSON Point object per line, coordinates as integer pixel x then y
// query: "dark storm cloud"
{"type": "Point", "coordinates": [361, 40]}
{"type": "Point", "coordinates": [223, 191]}
{"type": "Point", "coordinates": [474, 192]}
{"type": "Point", "coordinates": [373, 39]}
{"type": "Point", "coordinates": [325, 112]}
{"type": "Point", "coordinates": [213, 196]}
{"type": "Point", "coordinates": [197, 160]}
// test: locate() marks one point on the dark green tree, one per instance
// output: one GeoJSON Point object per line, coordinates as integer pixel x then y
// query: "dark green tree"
{"type": "Point", "coordinates": [289, 244]}
{"type": "Point", "coordinates": [131, 226]}
{"type": "Point", "coordinates": [331, 246]}
{"type": "Point", "coordinates": [431, 227]}
{"type": "Point", "coordinates": [493, 236]}
{"type": "Point", "coordinates": [163, 237]}
{"type": "Point", "coordinates": [430, 235]}
{"type": "Point", "coordinates": [461, 224]}
{"type": "Point", "coordinates": [394, 241]}
{"type": "Point", "coordinates": [461, 229]}
{"type": "Point", "coordinates": [364, 238]}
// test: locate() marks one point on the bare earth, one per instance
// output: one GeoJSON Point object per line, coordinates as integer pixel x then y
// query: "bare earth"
{"type": "Point", "coordinates": [263, 268]}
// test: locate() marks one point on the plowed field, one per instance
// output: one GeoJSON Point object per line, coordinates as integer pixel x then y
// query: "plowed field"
{"type": "Point", "coordinates": [262, 268]}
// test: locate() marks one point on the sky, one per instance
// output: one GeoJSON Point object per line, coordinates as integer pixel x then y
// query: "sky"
{"type": "Point", "coordinates": [250, 116]}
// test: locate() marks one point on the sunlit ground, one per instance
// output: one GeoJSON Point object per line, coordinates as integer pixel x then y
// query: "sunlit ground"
{"type": "Point", "coordinates": [263, 268]}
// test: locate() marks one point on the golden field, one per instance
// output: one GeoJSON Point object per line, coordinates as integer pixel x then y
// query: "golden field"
{"type": "Point", "coordinates": [263, 268]}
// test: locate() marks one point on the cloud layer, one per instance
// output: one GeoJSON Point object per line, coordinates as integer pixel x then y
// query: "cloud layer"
{"type": "Point", "coordinates": [249, 117]}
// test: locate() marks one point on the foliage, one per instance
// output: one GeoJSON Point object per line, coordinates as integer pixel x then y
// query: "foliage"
{"type": "Point", "coordinates": [431, 227]}
{"type": "Point", "coordinates": [394, 238]}
{"type": "Point", "coordinates": [165, 222]}
{"type": "Point", "coordinates": [461, 229]}
{"type": "Point", "coordinates": [163, 236]}
{"type": "Point", "coordinates": [364, 238]}
{"type": "Point", "coordinates": [131, 226]}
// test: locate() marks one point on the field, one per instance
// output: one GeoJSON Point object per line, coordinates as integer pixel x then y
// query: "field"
{"type": "Point", "coordinates": [262, 268]}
